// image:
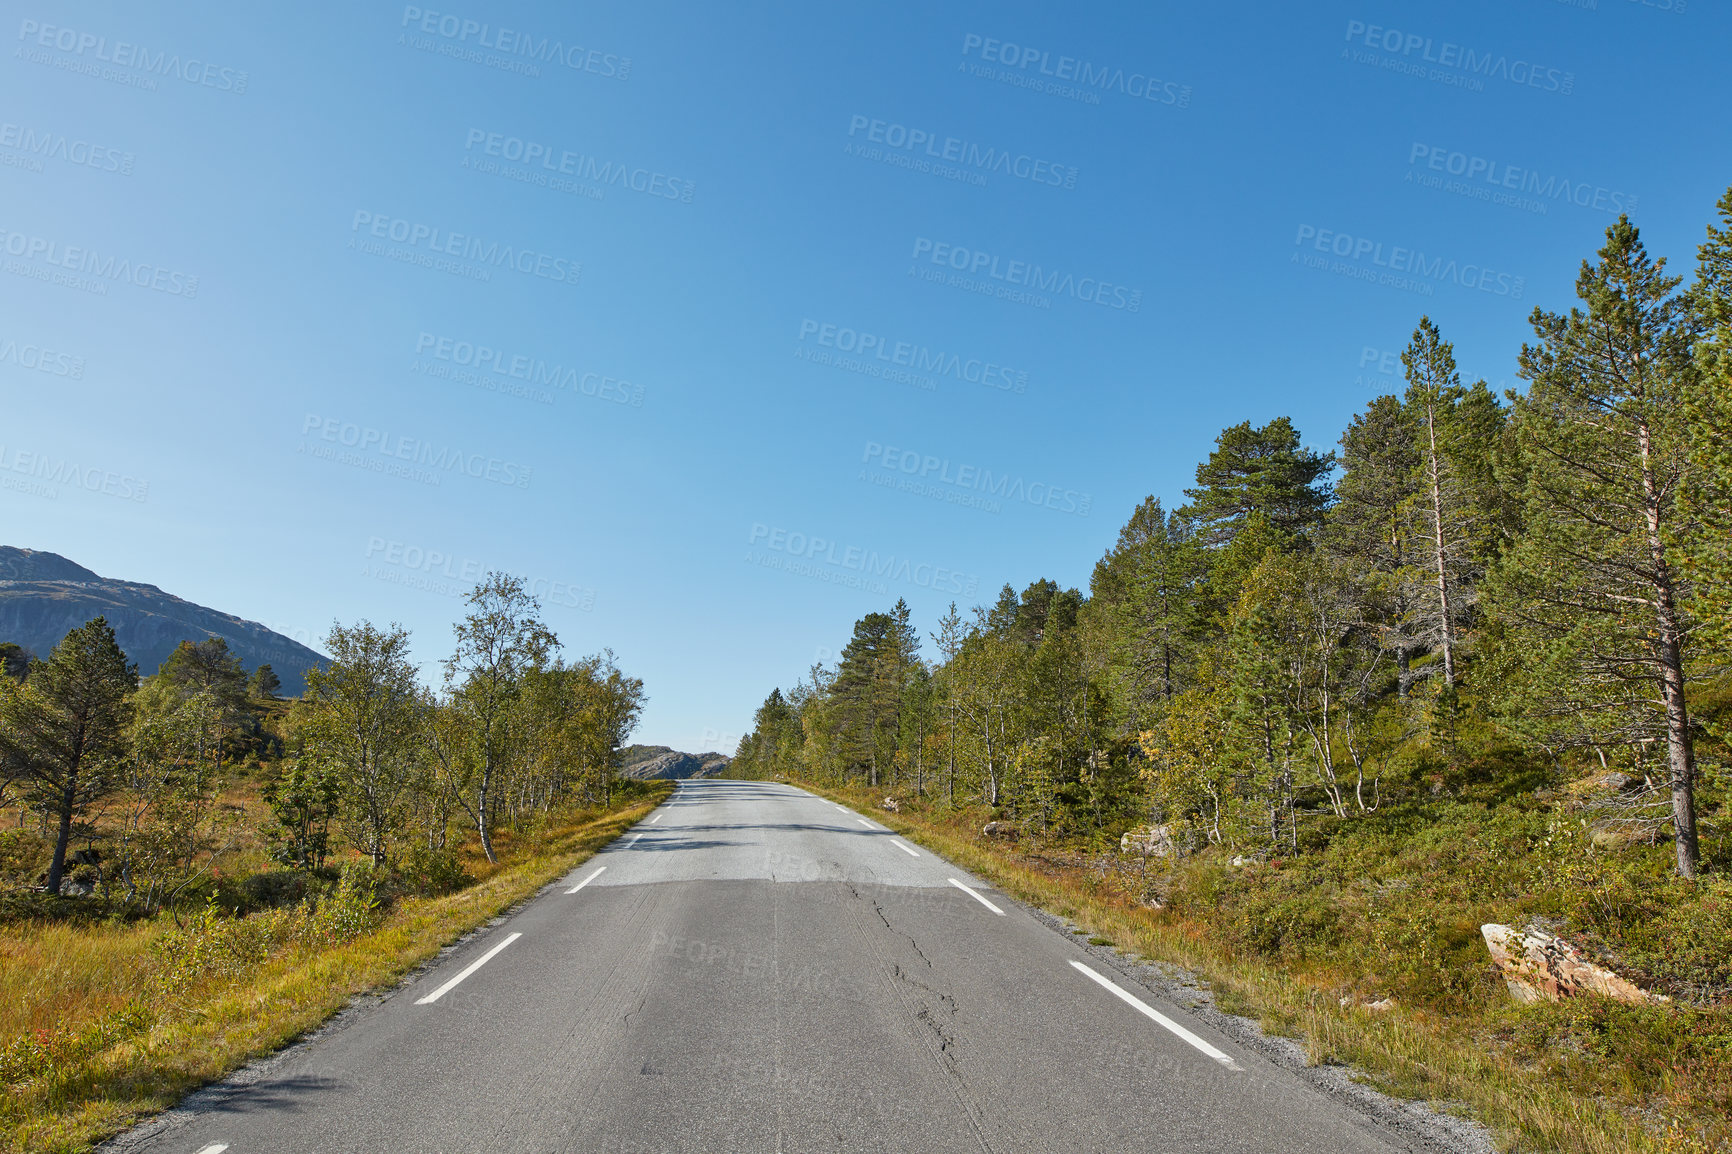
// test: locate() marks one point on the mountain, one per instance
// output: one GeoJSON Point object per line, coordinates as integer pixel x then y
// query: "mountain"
{"type": "Point", "coordinates": [43, 596]}
{"type": "Point", "coordinates": [648, 762]}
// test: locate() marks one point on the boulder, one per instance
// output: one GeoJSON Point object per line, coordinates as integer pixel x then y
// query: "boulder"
{"type": "Point", "coordinates": [1155, 841]}
{"type": "Point", "coordinates": [1540, 967]}
{"type": "Point", "coordinates": [889, 804]}
{"type": "Point", "coordinates": [1001, 829]}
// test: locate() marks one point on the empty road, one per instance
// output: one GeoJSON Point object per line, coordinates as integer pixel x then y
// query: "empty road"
{"type": "Point", "coordinates": [755, 969]}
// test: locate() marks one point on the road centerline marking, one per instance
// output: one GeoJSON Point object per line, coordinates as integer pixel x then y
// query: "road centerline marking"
{"type": "Point", "coordinates": [904, 847]}
{"type": "Point", "coordinates": [977, 896]}
{"type": "Point", "coordinates": [1160, 1019]}
{"type": "Point", "coordinates": [586, 881]}
{"type": "Point", "coordinates": [655, 819]}
{"type": "Point", "coordinates": [215, 1148]}
{"type": "Point", "coordinates": [865, 823]}
{"type": "Point", "coordinates": [467, 970]}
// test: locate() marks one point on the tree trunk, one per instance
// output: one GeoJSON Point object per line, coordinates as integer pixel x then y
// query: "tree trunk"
{"type": "Point", "coordinates": [1680, 754]}
{"type": "Point", "coordinates": [481, 802]}
{"type": "Point", "coordinates": [57, 864]}
{"type": "Point", "coordinates": [1439, 553]}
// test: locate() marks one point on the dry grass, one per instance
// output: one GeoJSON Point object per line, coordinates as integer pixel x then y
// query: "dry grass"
{"type": "Point", "coordinates": [1409, 1052]}
{"type": "Point", "coordinates": [57, 974]}
{"type": "Point", "coordinates": [79, 981]}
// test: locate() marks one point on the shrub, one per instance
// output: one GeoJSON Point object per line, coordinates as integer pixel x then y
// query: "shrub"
{"type": "Point", "coordinates": [23, 855]}
{"type": "Point", "coordinates": [432, 872]}
{"type": "Point", "coordinates": [212, 944]}
{"type": "Point", "coordinates": [274, 889]}
{"type": "Point", "coordinates": [347, 911]}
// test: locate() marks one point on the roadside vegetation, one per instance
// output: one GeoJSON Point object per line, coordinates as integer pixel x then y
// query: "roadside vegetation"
{"type": "Point", "coordinates": [1311, 730]}
{"type": "Point", "coordinates": [194, 872]}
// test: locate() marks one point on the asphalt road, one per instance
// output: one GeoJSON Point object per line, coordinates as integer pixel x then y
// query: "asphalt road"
{"type": "Point", "coordinates": [755, 969]}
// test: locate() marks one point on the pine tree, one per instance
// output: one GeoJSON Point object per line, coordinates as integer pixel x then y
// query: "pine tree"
{"type": "Point", "coordinates": [1263, 470]}
{"type": "Point", "coordinates": [1454, 428]}
{"type": "Point", "coordinates": [949, 638]}
{"type": "Point", "coordinates": [265, 682]}
{"type": "Point", "coordinates": [65, 729]}
{"type": "Point", "coordinates": [1590, 592]}
{"type": "Point", "coordinates": [1371, 526]}
{"type": "Point", "coordinates": [1148, 586]}
{"type": "Point", "coordinates": [15, 661]}
{"type": "Point", "coordinates": [1707, 552]}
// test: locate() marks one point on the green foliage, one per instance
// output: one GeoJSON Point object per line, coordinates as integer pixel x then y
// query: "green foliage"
{"type": "Point", "coordinates": [1259, 471]}
{"type": "Point", "coordinates": [15, 661]}
{"type": "Point", "coordinates": [1482, 680]}
{"type": "Point", "coordinates": [361, 723]}
{"type": "Point", "coordinates": [304, 800]}
{"type": "Point", "coordinates": [264, 682]}
{"type": "Point", "coordinates": [1588, 594]}
{"type": "Point", "coordinates": [63, 730]}
{"type": "Point", "coordinates": [431, 872]}
{"type": "Point", "coordinates": [23, 855]}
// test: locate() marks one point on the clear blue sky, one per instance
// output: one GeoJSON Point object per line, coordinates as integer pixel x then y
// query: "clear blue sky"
{"type": "Point", "coordinates": [669, 222]}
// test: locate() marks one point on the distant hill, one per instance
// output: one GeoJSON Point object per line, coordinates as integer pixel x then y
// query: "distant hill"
{"type": "Point", "coordinates": [647, 762]}
{"type": "Point", "coordinates": [43, 596]}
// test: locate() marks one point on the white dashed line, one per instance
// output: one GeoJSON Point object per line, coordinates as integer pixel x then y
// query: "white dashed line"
{"type": "Point", "coordinates": [655, 819]}
{"type": "Point", "coordinates": [215, 1148]}
{"type": "Point", "coordinates": [1161, 1019]}
{"type": "Point", "coordinates": [976, 896]}
{"type": "Point", "coordinates": [865, 823]}
{"type": "Point", "coordinates": [633, 840]}
{"type": "Point", "coordinates": [585, 881]}
{"type": "Point", "coordinates": [467, 970]}
{"type": "Point", "coordinates": [905, 848]}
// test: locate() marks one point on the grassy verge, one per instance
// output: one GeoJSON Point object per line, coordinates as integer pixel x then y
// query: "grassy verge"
{"type": "Point", "coordinates": [114, 1036]}
{"type": "Point", "coordinates": [1587, 1079]}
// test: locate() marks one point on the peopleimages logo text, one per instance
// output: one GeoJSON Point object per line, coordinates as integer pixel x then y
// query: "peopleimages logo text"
{"type": "Point", "coordinates": [68, 472]}
{"type": "Point", "coordinates": [513, 42]}
{"type": "Point", "coordinates": [578, 165]}
{"type": "Point", "coordinates": [121, 54]}
{"type": "Point", "coordinates": [916, 357]}
{"type": "Point", "coordinates": [464, 572]}
{"type": "Point", "coordinates": [1521, 181]}
{"type": "Point", "coordinates": [1071, 69]}
{"type": "Point", "coordinates": [1025, 274]}
{"type": "Point", "coordinates": [865, 562]}
{"type": "Point", "coordinates": [951, 150]}
{"type": "Point", "coordinates": [420, 455]}
{"type": "Point", "coordinates": [1416, 49]}
{"type": "Point", "coordinates": [80, 262]}
{"type": "Point", "coordinates": [1409, 263]}
{"type": "Point", "coordinates": [529, 369]}
{"type": "Point", "coordinates": [46, 145]}
{"type": "Point", "coordinates": [930, 469]}
{"type": "Point", "coordinates": [464, 246]}
{"type": "Point", "coordinates": [41, 359]}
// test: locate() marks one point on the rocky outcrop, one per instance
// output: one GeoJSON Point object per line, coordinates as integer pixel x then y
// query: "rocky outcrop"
{"type": "Point", "coordinates": [1003, 830]}
{"type": "Point", "coordinates": [1540, 967]}
{"type": "Point", "coordinates": [659, 762]}
{"type": "Point", "coordinates": [890, 805]}
{"type": "Point", "coordinates": [1156, 841]}
{"type": "Point", "coordinates": [43, 597]}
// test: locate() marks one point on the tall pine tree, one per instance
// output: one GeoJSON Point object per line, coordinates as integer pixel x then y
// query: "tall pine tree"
{"type": "Point", "coordinates": [1590, 592]}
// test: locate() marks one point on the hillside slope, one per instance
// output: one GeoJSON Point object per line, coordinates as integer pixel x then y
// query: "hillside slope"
{"type": "Point", "coordinates": [43, 596]}
{"type": "Point", "coordinates": [649, 762]}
